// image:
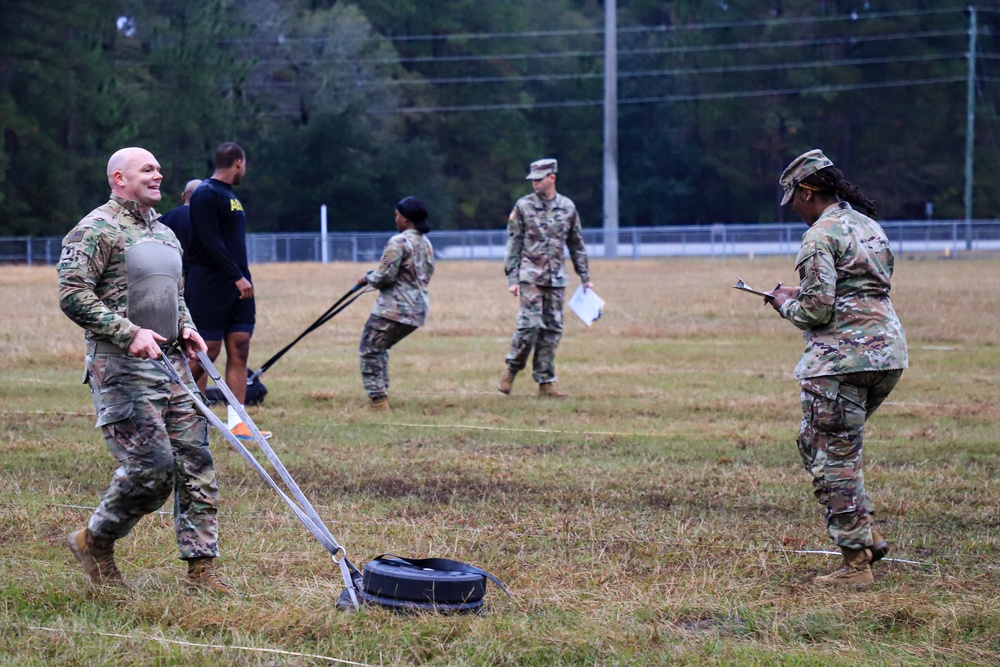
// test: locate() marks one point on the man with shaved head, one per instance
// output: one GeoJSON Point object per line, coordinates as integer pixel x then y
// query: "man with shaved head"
{"type": "Point", "coordinates": [120, 279]}
{"type": "Point", "coordinates": [179, 219]}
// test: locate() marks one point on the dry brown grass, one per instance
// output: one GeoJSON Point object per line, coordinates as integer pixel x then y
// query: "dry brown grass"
{"type": "Point", "coordinates": [652, 518]}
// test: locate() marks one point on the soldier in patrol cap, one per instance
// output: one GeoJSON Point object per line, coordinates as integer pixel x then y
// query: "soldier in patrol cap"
{"type": "Point", "coordinates": [120, 280]}
{"type": "Point", "coordinates": [538, 228]}
{"type": "Point", "coordinates": [855, 349]}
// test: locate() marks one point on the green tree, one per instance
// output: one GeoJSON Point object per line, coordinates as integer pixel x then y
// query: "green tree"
{"type": "Point", "coordinates": [185, 66]}
{"type": "Point", "coordinates": [319, 78]}
{"type": "Point", "coordinates": [481, 68]}
{"type": "Point", "coordinates": [62, 111]}
{"type": "Point", "coordinates": [842, 67]}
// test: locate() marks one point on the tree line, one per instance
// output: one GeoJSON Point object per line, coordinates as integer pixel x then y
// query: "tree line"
{"type": "Point", "coordinates": [356, 105]}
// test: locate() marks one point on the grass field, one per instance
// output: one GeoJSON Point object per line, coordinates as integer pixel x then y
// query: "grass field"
{"type": "Point", "coordinates": [658, 516]}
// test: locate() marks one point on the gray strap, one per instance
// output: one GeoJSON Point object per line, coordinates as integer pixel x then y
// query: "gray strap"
{"type": "Point", "coordinates": [310, 519]}
{"type": "Point", "coordinates": [286, 477]}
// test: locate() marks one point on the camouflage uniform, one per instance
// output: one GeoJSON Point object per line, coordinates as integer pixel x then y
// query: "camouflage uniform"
{"type": "Point", "coordinates": [854, 355]}
{"type": "Point", "coordinates": [537, 231]}
{"type": "Point", "coordinates": [150, 425]}
{"type": "Point", "coordinates": [402, 276]}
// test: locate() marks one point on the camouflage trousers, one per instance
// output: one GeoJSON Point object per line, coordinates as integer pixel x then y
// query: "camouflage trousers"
{"type": "Point", "coordinates": [378, 337]}
{"type": "Point", "coordinates": [539, 328]}
{"type": "Point", "coordinates": [160, 441]}
{"type": "Point", "coordinates": [834, 411]}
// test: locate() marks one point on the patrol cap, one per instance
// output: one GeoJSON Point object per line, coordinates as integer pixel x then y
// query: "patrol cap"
{"type": "Point", "coordinates": [801, 168]}
{"type": "Point", "coordinates": [542, 168]}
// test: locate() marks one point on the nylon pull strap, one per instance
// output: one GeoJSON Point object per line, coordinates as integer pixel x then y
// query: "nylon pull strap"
{"type": "Point", "coordinates": [286, 477]}
{"type": "Point", "coordinates": [310, 519]}
{"type": "Point", "coordinates": [323, 319]}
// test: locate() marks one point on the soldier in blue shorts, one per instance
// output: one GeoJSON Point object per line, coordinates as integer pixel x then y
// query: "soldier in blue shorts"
{"type": "Point", "coordinates": [219, 289]}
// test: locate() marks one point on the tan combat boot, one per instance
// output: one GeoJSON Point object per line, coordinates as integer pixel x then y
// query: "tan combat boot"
{"type": "Point", "coordinates": [879, 546]}
{"type": "Point", "coordinates": [379, 404]}
{"type": "Point", "coordinates": [203, 574]}
{"type": "Point", "coordinates": [506, 382]}
{"type": "Point", "coordinates": [548, 390]}
{"type": "Point", "coordinates": [97, 556]}
{"type": "Point", "coordinates": [856, 571]}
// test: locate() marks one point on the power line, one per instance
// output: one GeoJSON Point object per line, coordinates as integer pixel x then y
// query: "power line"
{"type": "Point", "coordinates": [685, 98]}
{"type": "Point", "coordinates": [798, 91]}
{"type": "Point", "coordinates": [805, 20]}
{"type": "Point", "coordinates": [848, 39]}
{"type": "Point", "coordinates": [853, 40]}
{"type": "Point", "coordinates": [742, 69]}
{"type": "Point", "coordinates": [816, 64]}
{"type": "Point", "coordinates": [528, 34]}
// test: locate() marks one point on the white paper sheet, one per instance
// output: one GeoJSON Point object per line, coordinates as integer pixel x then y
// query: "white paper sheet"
{"type": "Point", "coordinates": [743, 287]}
{"type": "Point", "coordinates": [586, 304]}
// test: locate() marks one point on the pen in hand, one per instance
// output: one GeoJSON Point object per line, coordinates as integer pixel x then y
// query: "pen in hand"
{"type": "Point", "coordinates": [768, 299]}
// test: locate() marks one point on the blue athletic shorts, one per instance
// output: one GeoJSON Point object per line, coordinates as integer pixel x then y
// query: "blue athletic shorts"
{"type": "Point", "coordinates": [215, 304]}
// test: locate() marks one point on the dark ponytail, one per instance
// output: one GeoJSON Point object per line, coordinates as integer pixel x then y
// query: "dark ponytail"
{"type": "Point", "coordinates": [831, 181]}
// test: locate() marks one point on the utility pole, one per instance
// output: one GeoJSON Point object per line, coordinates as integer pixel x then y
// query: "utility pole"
{"type": "Point", "coordinates": [970, 125]}
{"type": "Point", "coordinates": [611, 129]}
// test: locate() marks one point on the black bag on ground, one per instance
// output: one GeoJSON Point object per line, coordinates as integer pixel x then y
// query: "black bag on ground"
{"type": "Point", "coordinates": [256, 391]}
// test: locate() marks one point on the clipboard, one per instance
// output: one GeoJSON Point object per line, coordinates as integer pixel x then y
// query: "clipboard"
{"type": "Point", "coordinates": [743, 287]}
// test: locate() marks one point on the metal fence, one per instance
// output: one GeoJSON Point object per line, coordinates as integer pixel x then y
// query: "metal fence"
{"type": "Point", "coordinates": [719, 240]}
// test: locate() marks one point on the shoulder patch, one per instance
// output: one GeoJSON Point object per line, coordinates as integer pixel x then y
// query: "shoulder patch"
{"type": "Point", "coordinates": [513, 212]}
{"type": "Point", "coordinates": [806, 251]}
{"type": "Point", "coordinates": [75, 236]}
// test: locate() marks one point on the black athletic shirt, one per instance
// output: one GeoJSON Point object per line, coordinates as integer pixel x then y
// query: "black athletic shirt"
{"type": "Point", "coordinates": [179, 220]}
{"type": "Point", "coordinates": [218, 230]}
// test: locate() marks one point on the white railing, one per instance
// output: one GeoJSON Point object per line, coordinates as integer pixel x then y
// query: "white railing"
{"type": "Point", "coordinates": [718, 240]}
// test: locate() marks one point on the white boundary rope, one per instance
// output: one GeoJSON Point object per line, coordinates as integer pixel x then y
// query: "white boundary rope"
{"type": "Point", "coordinates": [528, 430]}
{"type": "Point", "coordinates": [178, 642]}
{"type": "Point", "coordinates": [684, 545]}
{"type": "Point", "coordinates": [884, 560]}
{"type": "Point", "coordinates": [624, 434]}
{"type": "Point", "coordinates": [473, 427]}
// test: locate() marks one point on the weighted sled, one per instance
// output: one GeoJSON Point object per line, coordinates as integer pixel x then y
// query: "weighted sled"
{"type": "Point", "coordinates": [435, 584]}
{"type": "Point", "coordinates": [395, 579]}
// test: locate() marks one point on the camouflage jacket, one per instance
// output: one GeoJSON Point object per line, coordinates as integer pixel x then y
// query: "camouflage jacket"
{"type": "Point", "coordinates": [93, 286]}
{"type": "Point", "coordinates": [844, 309]}
{"type": "Point", "coordinates": [537, 230]}
{"type": "Point", "coordinates": [402, 277]}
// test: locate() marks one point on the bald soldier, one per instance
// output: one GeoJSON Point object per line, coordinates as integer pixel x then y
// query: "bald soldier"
{"type": "Point", "coordinates": [120, 280]}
